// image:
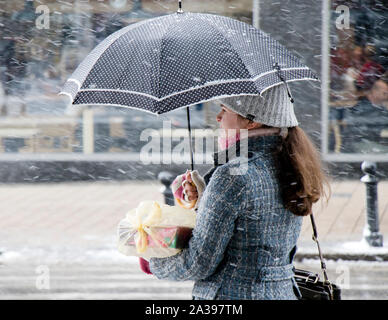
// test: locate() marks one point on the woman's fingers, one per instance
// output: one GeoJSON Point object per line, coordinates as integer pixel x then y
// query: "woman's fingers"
{"type": "Point", "coordinates": [188, 176]}
{"type": "Point", "coordinates": [192, 196]}
{"type": "Point", "coordinates": [190, 187]}
{"type": "Point", "coordinates": [191, 192]}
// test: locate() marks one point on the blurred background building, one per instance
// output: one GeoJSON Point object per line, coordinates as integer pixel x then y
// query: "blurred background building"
{"type": "Point", "coordinates": [36, 123]}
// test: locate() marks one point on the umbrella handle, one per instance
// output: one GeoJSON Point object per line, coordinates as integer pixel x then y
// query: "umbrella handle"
{"type": "Point", "coordinates": [190, 205]}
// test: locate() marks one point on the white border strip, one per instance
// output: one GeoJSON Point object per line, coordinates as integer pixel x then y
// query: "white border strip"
{"type": "Point", "coordinates": [76, 82]}
{"type": "Point", "coordinates": [193, 104]}
{"type": "Point", "coordinates": [208, 84]}
{"type": "Point", "coordinates": [121, 91]}
{"type": "Point", "coordinates": [67, 95]}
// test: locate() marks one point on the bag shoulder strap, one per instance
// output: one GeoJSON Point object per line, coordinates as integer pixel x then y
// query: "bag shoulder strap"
{"type": "Point", "coordinates": [323, 264]}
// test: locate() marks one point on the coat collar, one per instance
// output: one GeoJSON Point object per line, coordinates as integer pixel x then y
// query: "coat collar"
{"type": "Point", "coordinates": [257, 142]}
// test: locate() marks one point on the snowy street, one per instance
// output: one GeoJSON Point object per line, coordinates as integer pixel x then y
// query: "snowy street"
{"type": "Point", "coordinates": [257, 128]}
{"type": "Point", "coordinates": [105, 274]}
{"type": "Point", "coordinates": [67, 232]}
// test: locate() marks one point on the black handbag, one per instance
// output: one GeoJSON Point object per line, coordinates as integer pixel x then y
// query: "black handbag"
{"type": "Point", "coordinates": [309, 284]}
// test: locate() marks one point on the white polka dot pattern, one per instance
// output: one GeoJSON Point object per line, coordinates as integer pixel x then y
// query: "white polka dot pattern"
{"type": "Point", "coordinates": [181, 59]}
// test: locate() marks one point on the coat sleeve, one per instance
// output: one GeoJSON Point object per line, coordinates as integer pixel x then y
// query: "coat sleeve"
{"type": "Point", "coordinates": [222, 200]}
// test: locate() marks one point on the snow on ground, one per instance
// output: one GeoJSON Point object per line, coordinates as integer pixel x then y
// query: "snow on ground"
{"type": "Point", "coordinates": [62, 254]}
{"type": "Point", "coordinates": [350, 248]}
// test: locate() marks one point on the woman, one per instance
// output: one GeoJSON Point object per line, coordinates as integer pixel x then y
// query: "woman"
{"type": "Point", "coordinates": [248, 224]}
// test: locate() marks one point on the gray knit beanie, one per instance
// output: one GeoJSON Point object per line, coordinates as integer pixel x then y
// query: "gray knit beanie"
{"type": "Point", "coordinates": [273, 109]}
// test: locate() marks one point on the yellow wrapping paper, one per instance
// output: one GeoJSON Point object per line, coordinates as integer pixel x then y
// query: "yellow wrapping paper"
{"type": "Point", "coordinates": [144, 221]}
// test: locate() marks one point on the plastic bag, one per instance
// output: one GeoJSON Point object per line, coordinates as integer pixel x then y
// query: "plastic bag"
{"type": "Point", "coordinates": [155, 230]}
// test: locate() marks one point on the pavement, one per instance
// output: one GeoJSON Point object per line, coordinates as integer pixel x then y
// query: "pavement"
{"type": "Point", "coordinates": [87, 213]}
{"type": "Point", "coordinates": [68, 231]}
{"type": "Point", "coordinates": [341, 224]}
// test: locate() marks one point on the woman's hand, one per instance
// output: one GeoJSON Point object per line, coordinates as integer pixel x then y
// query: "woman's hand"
{"type": "Point", "coordinates": [144, 266]}
{"type": "Point", "coordinates": [190, 189]}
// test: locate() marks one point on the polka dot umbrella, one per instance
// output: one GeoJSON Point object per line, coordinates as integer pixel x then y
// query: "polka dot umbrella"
{"type": "Point", "coordinates": [182, 59]}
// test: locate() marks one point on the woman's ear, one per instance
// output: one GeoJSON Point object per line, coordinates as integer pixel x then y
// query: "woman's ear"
{"type": "Point", "coordinates": [253, 125]}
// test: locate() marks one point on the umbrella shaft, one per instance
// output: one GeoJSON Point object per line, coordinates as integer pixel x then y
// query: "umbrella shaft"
{"type": "Point", "coordinates": [191, 146]}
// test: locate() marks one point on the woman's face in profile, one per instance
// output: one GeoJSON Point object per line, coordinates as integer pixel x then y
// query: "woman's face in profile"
{"type": "Point", "coordinates": [228, 119]}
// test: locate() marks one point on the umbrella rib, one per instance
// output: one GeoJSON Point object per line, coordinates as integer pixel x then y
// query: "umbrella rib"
{"type": "Point", "coordinates": [220, 31]}
{"type": "Point", "coordinates": [215, 27]}
{"type": "Point", "coordinates": [100, 47]}
{"type": "Point", "coordinates": [160, 59]}
{"type": "Point", "coordinates": [127, 67]}
{"type": "Point", "coordinates": [123, 72]}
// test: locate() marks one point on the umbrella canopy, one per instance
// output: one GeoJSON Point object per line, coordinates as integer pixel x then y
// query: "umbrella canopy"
{"type": "Point", "coordinates": [162, 64]}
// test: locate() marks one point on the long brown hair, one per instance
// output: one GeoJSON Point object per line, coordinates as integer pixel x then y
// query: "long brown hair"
{"type": "Point", "coordinates": [302, 177]}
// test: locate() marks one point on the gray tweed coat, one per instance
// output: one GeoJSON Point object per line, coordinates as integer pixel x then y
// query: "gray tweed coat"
{"type": "Point", "coordinates": [244, 240]}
